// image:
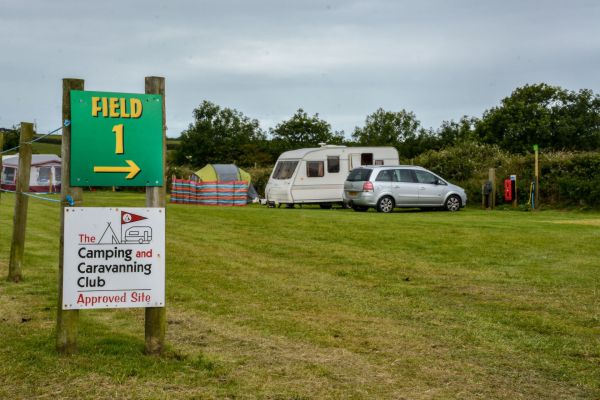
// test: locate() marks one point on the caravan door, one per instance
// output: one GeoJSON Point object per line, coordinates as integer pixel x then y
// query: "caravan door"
{"type": "Point", "coordinates": [354, 160]}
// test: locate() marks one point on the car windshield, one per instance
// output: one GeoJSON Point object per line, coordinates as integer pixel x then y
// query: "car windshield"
{"type": "Point", "coordinates": [285, 169]}
{"type": "Point", "coordinates": [359, 174]}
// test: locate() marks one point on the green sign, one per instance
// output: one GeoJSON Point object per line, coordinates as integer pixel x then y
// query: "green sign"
{"type": "Point", "coordinates": [535, 147]}
{"type": "Point", "coordinates": [116, 139]}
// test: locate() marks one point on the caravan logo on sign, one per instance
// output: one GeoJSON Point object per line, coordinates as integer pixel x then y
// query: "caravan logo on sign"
{"type": "Point", "coordinates": [114, 258]}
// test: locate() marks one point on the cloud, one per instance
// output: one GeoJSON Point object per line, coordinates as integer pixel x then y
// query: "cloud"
{"type": "Point", "coordinates": [342, 59]}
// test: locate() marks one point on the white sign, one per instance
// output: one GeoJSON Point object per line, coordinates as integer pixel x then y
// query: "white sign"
{"type": "Point", "coordinates": [114, 258]}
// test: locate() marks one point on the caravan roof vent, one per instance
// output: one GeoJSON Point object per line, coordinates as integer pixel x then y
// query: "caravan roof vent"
{"type": "Point", "coordinates": [322, 144]}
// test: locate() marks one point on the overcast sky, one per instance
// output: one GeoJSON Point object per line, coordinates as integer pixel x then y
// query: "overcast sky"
{"type": "Point", "coordinates": [342, 59]}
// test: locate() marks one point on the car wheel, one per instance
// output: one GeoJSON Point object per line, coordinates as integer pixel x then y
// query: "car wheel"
{"type": "Point", "coordinates": [385, 204]}
{"type": "Point", "coordinates": [360, 208]}
{"type": "Point", "coordinates": [452, 203]}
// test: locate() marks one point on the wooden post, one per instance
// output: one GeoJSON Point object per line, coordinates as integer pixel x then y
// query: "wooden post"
{"type": "Point", "coordinates": [17, 246]}
{"type": "Point", "coordinates": [67, 320]}
{"type": "Point", "coordinates": [1, 149]}
{"type": "Point", "coordinates": [537, 178]}
{"type": "Point", "coordinates": [483, 196]}
{"type": "Point", "coordinates": [492, 178]}
{"type": "Point", "coordinates": [156, 317]}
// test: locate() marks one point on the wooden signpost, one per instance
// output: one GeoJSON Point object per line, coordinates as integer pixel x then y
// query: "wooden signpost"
{"type": "Point", "coordinates": [67, 321]}
{"type": "Point", "coordinates": [113, 139]}
{"type": "Point", "coordinates": [17, 247]}
{"type": "Point", "coordinates": [156, 196]}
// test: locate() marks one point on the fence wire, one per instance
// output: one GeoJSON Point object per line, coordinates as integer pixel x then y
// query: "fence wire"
{"type": "Point", "coordinates": [36, 195]}
{"type": "Point", "coordinates": [66, 123]}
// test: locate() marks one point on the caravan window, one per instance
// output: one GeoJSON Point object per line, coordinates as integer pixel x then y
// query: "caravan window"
{"type": "Point", "coordinates": [333, 164]}
{"type": "Point", "coordinates": [44, 175]}
{"type": "Point", "coordinates": [315, 169]}
{"type": "Point", "coordinates": [8, 175]}
{"type": "Point", "coordinates": [285, 169]}
{"type": "Point", "coordinates": [57, 172]}
{"type": "Point", "coordinates": [366, 159]}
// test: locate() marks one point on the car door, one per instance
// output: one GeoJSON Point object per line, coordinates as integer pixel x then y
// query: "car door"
{"type": "Point", "coordinates": [430, 193]}
{"type": "Point", "coordinates": [383, 182]}
{"type": "Point", "coordinates": [405, 188]}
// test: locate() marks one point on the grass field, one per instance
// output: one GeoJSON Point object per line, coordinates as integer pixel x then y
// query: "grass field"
{"type": "Point", "coordinates": [311, 303]}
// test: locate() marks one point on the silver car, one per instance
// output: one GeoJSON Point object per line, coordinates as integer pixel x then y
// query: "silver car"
{"type": "Point", "coordinates": [386, 187]}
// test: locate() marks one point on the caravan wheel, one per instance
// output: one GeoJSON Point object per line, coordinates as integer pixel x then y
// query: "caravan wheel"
{"type": "Point", "coordinates": [326, 206]}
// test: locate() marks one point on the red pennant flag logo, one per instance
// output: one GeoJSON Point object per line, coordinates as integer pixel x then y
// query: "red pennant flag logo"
{"type": "Point", "coordinates": [127, 217]}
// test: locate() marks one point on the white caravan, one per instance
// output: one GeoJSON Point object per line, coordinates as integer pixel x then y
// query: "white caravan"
{"type": "Point", "coordinates": [317, 175]}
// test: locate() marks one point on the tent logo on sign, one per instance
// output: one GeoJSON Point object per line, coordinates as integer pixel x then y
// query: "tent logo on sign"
{"type": "Point", "coordinates": [137, 233]}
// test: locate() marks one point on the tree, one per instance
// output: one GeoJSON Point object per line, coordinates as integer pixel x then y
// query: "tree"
{"type": "Point", "coordinates": [400, 129]}
{"type": "Point", "coordinates": [304, 131]}
{"type": "Point", "coordinates": [452, 132]}
{"type": "Point", "coordinates": [552, 117]}
{"type": "Point", "coordinates": [11, 137]}
{"type": "Point", "coordinates": [220, 135]}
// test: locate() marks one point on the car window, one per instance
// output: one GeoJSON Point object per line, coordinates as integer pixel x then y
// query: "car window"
{"type": "Point", "coordinates": [425, 177]}
{"type": "Point", "coordinates": [404, 175]}
{"type": "Point", "coordinates": [387, 175]}
{"type": "Point", "coordinates": [359, 174]}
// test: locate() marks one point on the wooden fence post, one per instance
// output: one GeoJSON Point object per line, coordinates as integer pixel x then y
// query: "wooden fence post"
{"type": "Point", "coordinates": [492, 178]}
{"type": "Point", "coordinates": [537, 178]}
{"type": "Point", "coordinates": [17, 246]}
{"type": "Point", "coordinates": [1, 149]}
{"type": "Point", "coordinates": [67, 320]}
{"type": "Point", "coordinates": [156, 317]}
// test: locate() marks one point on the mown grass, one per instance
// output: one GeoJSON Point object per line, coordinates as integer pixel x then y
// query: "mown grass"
{"type": "Point", "coordinates": [310, 303]}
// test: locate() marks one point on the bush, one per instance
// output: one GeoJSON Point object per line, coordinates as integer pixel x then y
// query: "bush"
{"type": "Point", "coordinates": [260, 177]}
{"type": "Point", "coordinates": [566, 178]}
{"type": "Point", "coordinates": [180, 172]}
{"type": "Point", "coordinates": [462, 162]}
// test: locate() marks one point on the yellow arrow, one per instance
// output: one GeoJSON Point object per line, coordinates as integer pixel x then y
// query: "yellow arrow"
{"type": "Point", "coordinates": [133, 169]}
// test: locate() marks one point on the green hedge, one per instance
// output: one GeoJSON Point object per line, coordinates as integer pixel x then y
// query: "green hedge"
{"type": "Point", "coordinates": [566, 178]}
{"type": "Point", "coordinates": [260, 178]}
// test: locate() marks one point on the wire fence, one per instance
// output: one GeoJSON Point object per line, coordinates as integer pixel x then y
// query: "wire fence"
{"type": "Point", "coordinates": [66, 123]}
{"type": "Point", "coordinates": [37, 195]}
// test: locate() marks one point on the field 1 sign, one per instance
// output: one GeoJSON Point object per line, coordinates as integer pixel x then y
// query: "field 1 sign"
{"type": "Point", "coordinates": [114, 258]}
{"type": "Point", "coordinates": [116, 139]}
